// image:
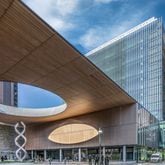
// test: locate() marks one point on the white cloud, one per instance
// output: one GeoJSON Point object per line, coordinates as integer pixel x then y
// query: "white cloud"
{"type": "Point", "coordinates": [55, 12]}
{"type": "Point", "coordinates": [92, 38]}
{"type": "Point", "coordinates": [104, 1]}
{"type": "Point", "coordinates": [59, 24]}
{"type": "Point", "coordinates": [62, 7]}
{"type": "Point", "coordinates": [69, 16]}
{"type": "Point", "coordinates": [99, 34]}
{"type": "Point", "coordinates": [65, 7]}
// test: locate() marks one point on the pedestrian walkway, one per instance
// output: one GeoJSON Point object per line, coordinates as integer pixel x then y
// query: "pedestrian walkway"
{"type": "Point", "coordinates": [82, 163]}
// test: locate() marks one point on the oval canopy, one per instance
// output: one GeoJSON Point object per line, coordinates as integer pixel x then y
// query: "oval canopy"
{"type": "Point", "coordinates": [32, 112]}
{"type": "Point", "coordinates": [33, 53]}
{"type": "Point", "coordinates": [73, 133]}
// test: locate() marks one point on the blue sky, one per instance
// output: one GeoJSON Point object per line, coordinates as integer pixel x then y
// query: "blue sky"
{"type": "Point", "coordinates": [88, 23]}
{"type": "Point", "coordinates": [33, 97]}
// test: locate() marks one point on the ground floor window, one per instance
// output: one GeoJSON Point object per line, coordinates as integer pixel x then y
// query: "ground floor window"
{"type": "Point", "coordinates": [96, 154]}
{"type": "Point", "coordinates": [53, 155]}
{"type": "Point", "coordinates": [114, 153]}
{"type": "Point", "coordinates": [70, 154]}
{"type": "Point", "coordinates": [40, 155]}
{"type": "Point", "coordinates": [144, 154]}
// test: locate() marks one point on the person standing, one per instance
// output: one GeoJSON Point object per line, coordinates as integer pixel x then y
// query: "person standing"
{"type": "Point", "coordinates": [2, 159]}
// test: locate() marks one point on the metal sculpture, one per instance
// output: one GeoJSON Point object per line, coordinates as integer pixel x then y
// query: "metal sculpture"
{"type": "Point", "coordinates": [20, 130]}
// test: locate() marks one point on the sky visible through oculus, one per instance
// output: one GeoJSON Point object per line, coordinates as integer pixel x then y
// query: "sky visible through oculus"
{"type": "Point", "coordinates": [34, 97]}
{"type": "Point", "coordinates": [86, 24]}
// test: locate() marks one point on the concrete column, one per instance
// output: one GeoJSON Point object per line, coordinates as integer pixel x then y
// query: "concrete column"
{"type": "Point", "coordinates": [45, 155]}
{"type": "Point", "coordinates": [134, 152]}
{"type": "Point", "coordinates": [103, 155]}
{"type": "Point", "coordinates": [60, 154]}
{"type": "Point", "coordinates": [79, 154]}
{"type": "Point", "coordinates": [32, 155]}
{"type": "Point", "coordinates": [124, 153]}
{"type": "Point", "coordinates": [35, 154]}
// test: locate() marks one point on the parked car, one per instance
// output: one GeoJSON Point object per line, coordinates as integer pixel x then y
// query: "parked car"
{"type": "Point", "coordinates": [156, 157]}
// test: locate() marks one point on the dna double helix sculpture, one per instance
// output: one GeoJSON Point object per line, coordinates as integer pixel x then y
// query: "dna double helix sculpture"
{"type": "Point", "coordinates": [20, 130]}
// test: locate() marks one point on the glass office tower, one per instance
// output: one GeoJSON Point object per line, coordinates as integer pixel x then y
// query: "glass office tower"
{"type": "Point", "coordinates": [135, 61]}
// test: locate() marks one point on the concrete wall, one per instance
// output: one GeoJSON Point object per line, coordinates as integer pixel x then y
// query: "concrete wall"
{"type": "Point", "coordinates": [7, 135]}
{"type": "Point", "coordinates": [118, 125]}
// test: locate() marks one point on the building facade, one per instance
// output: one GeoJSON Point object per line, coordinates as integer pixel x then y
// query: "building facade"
{"type": "Point", "coordinates": [127, 132]}
{"type": "Point", "coordinates": [8, 93]}
{"type": "Point", "coordinates": [135, 61]}
{"type": "Point", "coordinates": [41, 57]}
{"type": "Point", "coordinates": [8, 96]}
{"type": "Point", "coordinates": [7, 145]}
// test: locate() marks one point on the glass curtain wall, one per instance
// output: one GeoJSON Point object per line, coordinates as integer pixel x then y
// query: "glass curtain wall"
{"type": "Point", "coordinates": [148, 135]}
{"type": "Point", "coordinates": [134, 62]}
{"type": "Point", "coordinates": [148, 129]}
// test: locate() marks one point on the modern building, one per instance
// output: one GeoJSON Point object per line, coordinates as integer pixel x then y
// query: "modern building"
{"type": "Point", "coordinates": [135, 60]}
{"type": "Point", "coordinates": [8, 93]}
{"type": "Point", "coordinates": [127, 133]}
{"type": "Point", "coordinates": [98, 121]}
{"type": "Point", "coordinates": [8, 96]}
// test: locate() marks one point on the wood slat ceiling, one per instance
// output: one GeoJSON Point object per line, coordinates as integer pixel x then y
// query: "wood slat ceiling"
{"type": "Point", "coordinates": [32, 53]}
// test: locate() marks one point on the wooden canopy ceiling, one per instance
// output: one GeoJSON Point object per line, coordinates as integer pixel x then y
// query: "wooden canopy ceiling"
{"type": "Point", "coordinates": [33, 53]}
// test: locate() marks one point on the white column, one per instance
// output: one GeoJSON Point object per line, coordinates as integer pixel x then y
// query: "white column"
{"type": "Point", "coordinates": [103, 155]}
{"type": "Point", "coordinates": [35, 154]}
{"type": "Point", "coordinates": [79, 154]}
{"type": "Point", "coordinates": [124, 153]}
{"type": "Point", "coordinates": [60, 154]}
{"type": "Point", "coordinates": [32, 154]}
{"type": "Point", "coordinates": [45, 155]}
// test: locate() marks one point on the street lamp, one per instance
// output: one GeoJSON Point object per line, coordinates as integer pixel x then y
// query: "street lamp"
{"type": "Point", "coordinates": [100, 132]}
